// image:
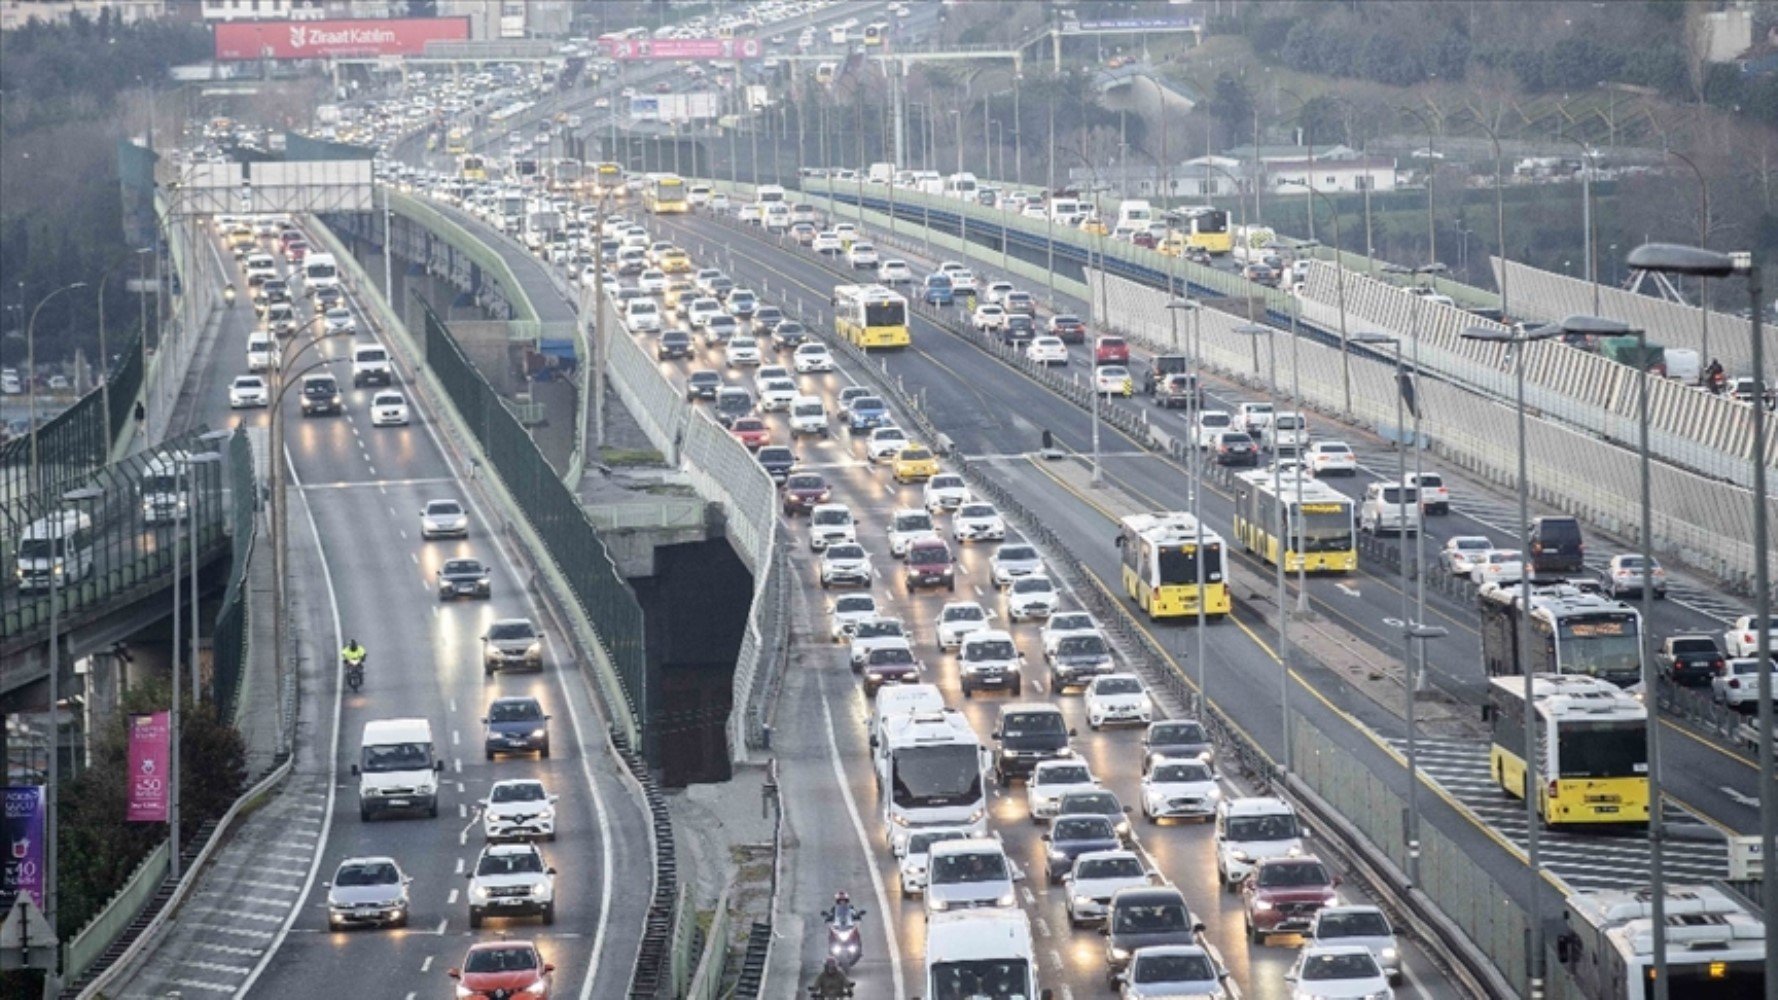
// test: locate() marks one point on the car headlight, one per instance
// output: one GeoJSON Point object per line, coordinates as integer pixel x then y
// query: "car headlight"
{"type": "Point", "coordinates": [1390, 954]}
{"type": "Point", "coordinates": [477, 891]}
{"type": "Point", "coordinates": [464, 992]}
{"type": "Point", "coordinates": [1213, 794]}
{"type": "Point", "coordinates": [900, 820]}
{"type": "Point", "coordinates": [1120, 954]}
{"type": "Point", "coordinates": [1261, 905]}
{"type": "Point", "coordinates": [940, 905]}
{"type": "Point", "coordinates": [539, 733]}
{"type": "Point", "coordinates": [535, 649]}
{"type": "Point", "coordinates": [539, 888]}
{"type": "Point", "coordinates": [977, 815]}
{"type": "Point", "coordinates": [1331, 899]}
{"type": "Point", "coordinates": [1007, 900]}
{"type": "Point", "coordinates": [538, 988]}
{"type": "Point", "coordinates": [1379, 995]}
{"type": "Point", "coordinates": [1083, 901]}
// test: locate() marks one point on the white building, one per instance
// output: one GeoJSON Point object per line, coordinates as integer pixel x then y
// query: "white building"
{"type": "Point", "coordinates": [18, 13]}
{"type": "Point", "coordinates": [1375, 173]}
{"type": "Point", "coordinates": [263, 10]}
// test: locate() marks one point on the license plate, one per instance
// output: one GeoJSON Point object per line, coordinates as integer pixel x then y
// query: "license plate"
{"type": "Point", "coordinates": [1605, 809]}
{"type": "Point", "coordinates": [465, 588]}
{"type": "Point", "coordinates": [396, 802]}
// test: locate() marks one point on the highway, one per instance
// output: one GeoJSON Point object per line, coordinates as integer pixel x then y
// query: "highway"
{"type": "Point", "coordinates": [364, 487]}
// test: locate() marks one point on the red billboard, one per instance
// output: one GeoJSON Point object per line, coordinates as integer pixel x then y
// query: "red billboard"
{"type": "Point", "coordinates": [342, 39]}
{"type": "Point", "coordinates": [682, 48]}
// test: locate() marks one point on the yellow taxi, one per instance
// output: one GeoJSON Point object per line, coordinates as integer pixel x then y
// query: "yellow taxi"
{"type": "Point", "coordinates": [914, 463]}
{"type": "Point", "coordinates": [675, 261]}
{"type": "Point", "coordinates": [1093, 226]}
{"type": "Point", "coordinates": [1172, 246]}
{"type": "Point", "coordinates": [678, 288]}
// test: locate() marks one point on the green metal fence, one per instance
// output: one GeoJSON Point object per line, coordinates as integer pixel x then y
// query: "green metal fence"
{"type": "Point", "coordinates": [552, 509]}
{"type": "Point", "coordinates": [229, 642]}
{"type": "Point", "coordinates": [76, 442]}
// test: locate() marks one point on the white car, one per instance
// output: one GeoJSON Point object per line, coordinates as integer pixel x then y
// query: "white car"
{"type": "Point", "coordinates": [1331, 458]}
{"type": "Point", "coordinates": [826, 241]}
{"type": "Point", "coordinates": [970, 874]}
{"type": "Point", "coordinates": [831, 524]}
{"type": "Point", "coordinates": [744, 351]}
{"type": "Point", "coordinates": [811, 358]}
{"type": "Point", "coordinates": [652, 281]}
{"type": "Point", "coordinates": [1063, 624]}
{"type": "Point", "coordinates": [1742, 638]}
{"type": "Point", "coordinates": [1112, 380]}
{"type": "Point", "coordinates": [1046, 351]}
{"type": "Point", "coordinates": [700, 310]}
{"type": "Point", "coordinates": [1052, 779]}
{"type": "Point", "coordinates": [861, 255]}
{"type": "Point", "coordinates": [1358, 925]}
{"type": "Point", "coordinates": [1336, 972]}
{"type": "Point", "coordinates": [906, 526]}
{"type": "Point", "coordinates": [976, 521]}
{"type": "Point", "coordinates": [511, 880]}
{"type": "Point", "coordinates": [846, 563]}
{"type": "Point", "coordinates": [1461, 551]}
{"type": "Point", "coordinates": [846, 611]}
{"type": "Point", "coordinates": [1096, 877]}
{"type": "Point", "coordinates": [959, 619]}
{"type": "Point", "coordinates": [874, 633]}
{"type": "Point", "coordinates": [388, 409]}
{"type": "Point", "coordinates": [443, 519]}
{"type": "Point", "coordinates": [248, 391]}
{"type": "Point", "coordinates": [775, 393]}
{"type": "Point", "coordinates": [1497, 566]}
{"type": "Point", "coordinates": [1210, 425]}
{"type": "Point", "coordinates": [1031, 597]}
{"type": "Point", "coordinates": [339, 320]}
{"type": "Point", "coordinates": [945, 491]}
{"type": "Point", "coordinates": [963, 282]}
{"type": "Point", "coordinates": [916, 854]}
{"type": "Point", "coordinates": [884, 442]}
{"type": "Point", "coordinates": [518, 808]}
{"type": "Point", "coordinates": [1736, 685]}
{"type": "Point", "coordinates": [846, 231]}
{"type": "Point", "coordinates": [988, 317]}
{"type": "Point", "coordinates": [895, 272]}
{"type": "Point", "coordinates": [1114, 698]}
{"type": "Point", "coordinates": [997, 291]}
{"type": "Point", "coordinates": [1180, 789]}
{"type": "Point", "coordinates": [1014, 562]}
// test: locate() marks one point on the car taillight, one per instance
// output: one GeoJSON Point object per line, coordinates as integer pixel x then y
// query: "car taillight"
{"type": "Point", "coordinates": [1735, 683]}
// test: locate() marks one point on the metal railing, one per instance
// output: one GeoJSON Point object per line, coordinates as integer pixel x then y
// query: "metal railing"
{"type": "Point", "coordinates": [229, 640]}
{"type": "Point", "coordinates": [76, 441]}
{"type": "Point", "coordinates": [93, 940]}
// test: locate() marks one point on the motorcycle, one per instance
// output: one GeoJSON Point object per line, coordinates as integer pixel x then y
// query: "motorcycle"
{"type": "Point", "coordinates": [844, 943]}
{"type": "Point", "coordinates": [817, 993]}
{"type": "Point", "coordinates": [355, 675]}
{"type": "Point", "coordinates": [228, 295]}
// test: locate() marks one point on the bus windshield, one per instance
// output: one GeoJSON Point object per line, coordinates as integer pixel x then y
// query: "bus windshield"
{"type": "Point", "coordinates": [949, 775]}
{"type": "Point", "coordinates": [885, 314]}
{"type": "Point", "coordinates": [983, 979]}
{"type": "Point", "coordinates": [42, 548]}
{"type": "Point", "coordinates": [1324, 529]}
{"type": "Point", "coordinates": [1602, 749]}
{"type": "Point", "coordinates": [1604, 647]}
{"type": "Point", "coordinates": [1179, 564]}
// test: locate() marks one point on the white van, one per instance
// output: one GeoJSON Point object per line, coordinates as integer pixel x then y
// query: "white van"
{"type": "Point", "coordinates": [808, 415]}
{"type": "Point", "coordinates": [261, 351]}
{"type": "Point", "coordinates": [1063, 209]}
{"type": "Point", "coordinates": [320, 271]}
{"type": "Point", "coordinates": [58, 548]}
{"type": "Point", "coordinates": [397, 768]}
{"type": "Point", "coordinates": [1289, 431]}
{"type": "Point", "coordinates": [980, 952]}
{"type": "Point", "coordinates": [962, 186]}
{"type": "Point", "coordinates": [769, 194]}
{"type": "Point", "coordinates": [165, 494]}
{"type": "Point", "coordinates": [1389, 507]}
{"type": "Point", "coordinates": [777, 216]}
{"type": "Point", "coordinates": [370, 365]}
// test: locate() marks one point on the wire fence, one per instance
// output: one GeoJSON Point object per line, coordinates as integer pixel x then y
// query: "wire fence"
{"type": "Point", "coordinates": [228, 645]}
{"type": "Point", "coordinates": [76, 441]}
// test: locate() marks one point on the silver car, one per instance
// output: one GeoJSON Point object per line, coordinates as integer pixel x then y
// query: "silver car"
{"type": "Point", "coordinates": [367, 892]}
{"type": "Point", "coordinates": [1010, 562]}
{"type": "Point", "coordinates": [444, 519]}
{"type": "Point", "coordinates": [847, 564]}
{"type": "Point", "coordinates": [1172, 970]}
{"type": "Point", "coordinates": [1460, 553]}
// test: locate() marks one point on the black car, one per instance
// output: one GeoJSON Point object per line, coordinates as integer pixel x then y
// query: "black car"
{"type": "Point", "coordinates": [1692, 658]}
{"type": "Point", "coordinates": [328, 297]}
{"type": "Point", "coordinates": [1018, 329]}
{"type": "Point", "coordinates": [766, 319]}
{"type": "Point", "coordinates": [463, 578]}
{"type": "Point", "coordinates": [1556, 547]}
{"type": "Point", "coordinates": [1097, 803]}
{"type": "Point", "coordinates": [720, 287]}
{"type": "Point", "coordinates": [1028, 734]}
{"type": "Point", "coordinates": [1175, 739]}
{"type": "Point", "coordinates": [515, 725]}
{"type": "Point", "coordinates": [1145, 917]}
{"type": "Point", "coordinates": [789, 334]}
{"type": "Point", "coordinates": [1236, 448]}
{"type": "Point", "coordinates": [777, 460]}
{"type": "Point", "coordinates": [674, 344]}
{"type": "Point", "coordinates": [1071, 836]}
{"type": "Point", "coordinates": [1078, 659]}
{"type": "Point", "coordinates": [702, 384]}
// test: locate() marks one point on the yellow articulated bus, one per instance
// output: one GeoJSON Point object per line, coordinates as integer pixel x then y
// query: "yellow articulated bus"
{"type": "Point", "coordinates": [471, 167]}
{"type": "Point", "coordinates": [1592, 746]}
{"type": "Point", "coordinates": [665, 195]}
{"type": "Point", "coordinates": [1162, 565]}
{"type": "Point", "coordinates": [870, 316]}
{"type": "Point", "coordinates": [457, 141]}
{"type": "Point", "coordinates": [1318, 526]}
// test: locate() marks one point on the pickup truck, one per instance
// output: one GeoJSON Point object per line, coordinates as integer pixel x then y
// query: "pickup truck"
{"type": "Point", "coordinates": [1164, 365]}
{"type": "Point", "coordinates": [1690, 659]}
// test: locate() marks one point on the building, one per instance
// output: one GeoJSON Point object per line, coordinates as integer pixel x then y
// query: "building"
{"type": "Point", "coordinates": [491, 20]}
{"type": "Point", "coordinates": [18, 13]}
{"type": "Point", "coordinates": [301, 10]}
{"type": "Point", "coordinates": [1373, 173]}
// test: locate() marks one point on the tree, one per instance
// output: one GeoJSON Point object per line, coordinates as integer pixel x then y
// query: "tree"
{"type": "Point", "coordinates": [1231, 103]}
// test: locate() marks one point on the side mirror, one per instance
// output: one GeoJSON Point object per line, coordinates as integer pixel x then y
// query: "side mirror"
{"type": "Point", "coordinates": [458, 973]}
{"type": "Point", "coordinates": [1105, 929]}
{"type": "Point", "coordinates": [1290, 977]}
{"type": "Point", "coordinates": [327, 885]}
{"type": "Point", "coordinates": [1072, 733]}
{"type": "Point", "coordinates": [549, 871]}
{"type": "Point", "coordinates": [437, 765]}
{"type": "Point", "coordinates": [1045, 838]}
{"type": "Point", "coordinates": [1126, 810]}
{"type": "Point", "coordinates": [354, 770]}
{"type": "Point", "coordinates": [469, 875]}
{"type": "Point", "coordinates": [1336, 881]}
{"type": "Point", "coordinates": [995, 736]}
{"type": "Point", "coordinates": [484, 720]}
{"type": "Point", "coordinates": [1197, 926]}
{"type": "Point", "coordinates": [407, 880]}
{"type": "Point", "coordinates": [548, 967]}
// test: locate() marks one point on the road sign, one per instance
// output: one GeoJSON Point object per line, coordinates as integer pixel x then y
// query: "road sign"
{"type": "Point", "coordinates": [652, 49]}
{"type": "Point", "coordinates": [26, 941]}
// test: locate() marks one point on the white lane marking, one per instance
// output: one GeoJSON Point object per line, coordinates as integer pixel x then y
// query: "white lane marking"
{"type": "Point", "coordinates": [454, 734]}
{"type": "Point", "coordinates": [441, 927]}
{"type": "Point", "coordinates": [333, 749]}
{"type": "Point", "coordinates": [460, 866]}
{"type": "Point", "coordinates": [451, 900]}
{"type": "Point", "coordinates": [426, 966]}
{"type": "Point", "coordinates": [864, 844]}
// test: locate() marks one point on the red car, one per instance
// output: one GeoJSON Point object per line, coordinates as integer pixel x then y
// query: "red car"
{"type": "Point", "coordinates": [1111, 351]}
{"type": "Point", "coordinates": [803, 490]}
{"type": "Point", "coordinates": [295, 252]}
{"type": "Point", "coordinates": [1282, 895]}
{"type": "Point", "coordinates": [503, 969]}
{"type": "Point", "coordinates": [751, 431]}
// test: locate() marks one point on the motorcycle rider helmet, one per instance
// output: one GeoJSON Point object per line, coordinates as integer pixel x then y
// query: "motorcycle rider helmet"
{"type": "Point", "coordinates": [841, 897]}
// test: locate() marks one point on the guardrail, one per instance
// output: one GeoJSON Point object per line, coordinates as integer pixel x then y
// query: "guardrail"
{"type": "Point", "coordinates": [476, 249]}
{"type": "Point", "coordinates": [119, 911]}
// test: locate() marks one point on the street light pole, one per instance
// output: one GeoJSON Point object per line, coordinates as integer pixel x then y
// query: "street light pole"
{"type": "Point", "coordinates": [1197, 480]}
{"type": "Point", "coordinates": [1258, 330]}
{"type": "Point", "coordinates": [1703, 241]}
{"type": "Point", "coordinates": [31, 381]}
{"type": "Point", "coordinates": [1340, 293]}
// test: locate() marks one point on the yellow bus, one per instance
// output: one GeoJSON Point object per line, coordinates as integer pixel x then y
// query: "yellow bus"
{"type": "Point", "coordinates": [457, 141]}
{"type": "Point", "coordinates": [1208, 229]}
{"type": "Point", "coordinates": [870, 316]}
{"type": "Point", "coordinates": [1160, 555]}
{"type": "Point", "coordinates": [471, 167]}
{"type": "Point", "coordinates": [876, 34]}
{"type": "Point", "coordinates": [1318, 527]}
{"type": "Point", "coordinates": [608, 180]}
{"type": "Point", "coordinates": [1592, 746]}
{"type": "Point", "coordinates": [665, 195]}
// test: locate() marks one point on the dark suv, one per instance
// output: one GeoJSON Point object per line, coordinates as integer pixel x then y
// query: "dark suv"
{"type": "Point", "coordinates": [929, 565]}
{"type": "Point", "coordinates": [1556, 547]}
{"type": "Point", "coordinates": [1140, 918]}
{"type": "Point", "coordinates": [1029, 732]}
{"type": "Point", "coordinates": [1691, 659]}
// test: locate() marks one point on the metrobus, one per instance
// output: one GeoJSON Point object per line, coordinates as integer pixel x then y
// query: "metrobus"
{"type": "Point", "coordinates": [457, 141]}
{"type": "Point", "coordinates": [1715, 942]}
{"type": "Point", "coordinates": [665, 195]}
{"type": "Point", "coordinates": [1160, 558]}
{"type": "Point", "coordinates": [1592, 745]}
{"type": "Point", "coordinates": [1572, 632]}
{"type": "Point", "coordinates": [565, 175]}
{"type": "Point", "coordinates": [608, 180]}
{"type": "Point", "coordinates": [1208, 229]}
{"type": "Point", "coordinates": [870, 316]}
{"type": "Point", "coordinates": [471, 167]}
{"type": "Point", "coordinates": [876, 33]}
{"type": "Point", "coordinates": [1318, 524]}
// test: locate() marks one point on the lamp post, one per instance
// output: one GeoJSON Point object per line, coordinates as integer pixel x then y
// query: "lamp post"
{"type": "Point", "coordinates": [1518, 343]}
{"type": "Point", "coordinates": [1669, 258]}
{"type": "Point", "coordinates": [1257, 330]}
{"type": "Point", "coordinates": [31, 381]}
{"type": "Point", "coordinates": [1419, 536]}
{"type": "Point", "coordinates": [1499, 212]}
{"type": "Point", "coordinates": [104, 354]}
{"type": "Point", "coordinates": [1432, 158]}
{"type": "Point", "coordinates": [1703, 240]}
{"type": "Point", "coordinates": [1339, 291]}
{"type": "Point", "coordinates": [53, 776]}
{"type": "Point", "coordinates": [1589, 238]}
{"type": "Point", "coordinates": [1197, 479]}
{"type": "Point", "coordinates": [191, 527]}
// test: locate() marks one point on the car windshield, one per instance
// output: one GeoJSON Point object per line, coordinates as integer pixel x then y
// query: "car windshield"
{"type": "Point", "coordinates": [1148, 918]}
{"type": "Point", "coordinates": [1103, 803]}
{"type": "Point", "coordinates": [974, 866]}
{"type": "Point", "coordinates": [1070, 621]}
{"type": "Point", "coordinates": [385, 757]}
{"type": "Point", "coordinates": [1296, 873]}
{"type": "Point", "coordinates": [513, 863]}
{"type": "Point", "coordinates": [836, 552]}
{"type": "Point", "coordinates": [443, 508]}
{"type": "Point", "coordinates": [1016, 554]}
{"type": "Point", "coordinates": [1249, 829]}
{"type": "Point", "coordinates": [514, 711]}
{"type": "Point", "coordinates": [367, 873]}
{"type": "Point", "coordinates": [1348, 965]}
{"type": "Point", "coordinates": [504, 959]}
{"type": "Point", "coordinates": [832, 517]}
{"type": "Point", "coordinates": [1081, 645]}
{"type": "Point", "coordinates": [1173, 968]}
{"type": "Point", "coordinates": [964, 613]}
{"type": "Point", "coordinates": [1077, 828]}
{"type": "Point", "coordinates": [705, 378]}
{"type": "Point", "coordinates": [947, 482]}
{"type": "Point", "coordinates": [891, 656]}
{"type": "Point", "coordinates": [878, 629]}
{"type": "Point", "coordinates": [1122, 866]}
{"type": "Point", "coordinates": [988, 650]}
{"type": "Point", "coordinates": [463, 567]}
{"type": "Point", "coordinates": [919, 521]}
{"type": "Point", "coordinates": [1066, 774]}
{"type": "Point", "coordinates": [921, 843]}
{"type": "Point", "coordinates": [979, 979]}
{"type": "Point", "coordinates": [519, 791]}
{"type": "Point", "coordinates": [1183, 770]}
{"type": "Point", "coordinates": [805, 482]}
{"type": "Point", "coordinates": [1358, 923]}
{"type": "Point", "coordinates": [1032, 585]}
{"type": "Point", "coordinates": [1117, 685]}
{"type": "Point", "coordinates": [976, 510]}
{"type": "Point", "coordinates": [915, 455]}
{"type": "Point", "coordinates": [1177, 734]}
{"type": "Point", "coordinates": [855, 604]}
{"type": "Point", "coordinates": [511, 630]}
{"type": "Point", "coordinates": [775, 455]}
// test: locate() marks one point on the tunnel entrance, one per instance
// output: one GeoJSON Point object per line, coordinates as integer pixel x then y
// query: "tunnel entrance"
{"type": "Point", "coordinates": [695, 607]}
